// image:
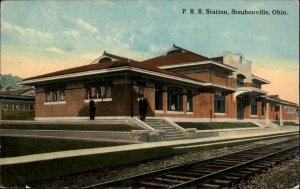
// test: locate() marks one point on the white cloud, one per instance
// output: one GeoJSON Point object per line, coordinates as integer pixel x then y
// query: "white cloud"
{"type": "Point", "coordinates": [86, 26]}
{"type": "Point", "coordinates": [71, 33]}
{"type": "Point", "coordinates": [54, 50]}
{"type": "Point", "coordinates": [6, 26]}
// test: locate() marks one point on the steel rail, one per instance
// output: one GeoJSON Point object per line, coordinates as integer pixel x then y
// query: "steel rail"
{"type": "Point", "coordinates": [123, 182]}
{"type": "Point", "coordinates": [195, 182]}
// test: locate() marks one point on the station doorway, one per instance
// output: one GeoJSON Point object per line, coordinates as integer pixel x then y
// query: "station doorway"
{"type": "Point", "coordinates": [240, 107]}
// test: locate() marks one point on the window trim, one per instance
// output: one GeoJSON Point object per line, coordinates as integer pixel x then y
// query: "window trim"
{"type": "Point", "coordinates": [221, 100]}
{"type": "Point", "coordinates": [253, 106]}
{"type": "Point", "coordinates": [189, 95]}
{"type": "Point", "coordinates": [159, 90]}
{"type": "Point", "coordinates": [179, 98]}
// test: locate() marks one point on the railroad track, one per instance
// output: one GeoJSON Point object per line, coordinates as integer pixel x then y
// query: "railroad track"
{"type": "Point", "coordinates": [219, 172]}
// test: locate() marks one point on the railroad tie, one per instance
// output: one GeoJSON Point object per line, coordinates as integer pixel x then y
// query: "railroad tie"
{"type": "Point", "coordinates": [233, 178]}
{"type": "Point", "coordinates": [207, 185]}
{"type": "Point", "coordinates": [180, 177]}
{"type": "Point", "coordinates": [168, 180]}
{"type": "Point", "coordinates": [188, 173]}
{"type": "Point", "coordinates": [154, 184]}
{"type": "Point", "coordinates": [222, 182]}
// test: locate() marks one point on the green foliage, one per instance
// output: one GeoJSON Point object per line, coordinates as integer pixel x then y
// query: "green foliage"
{"type": "Point", "coordinates": [216, 125]}
{"type": "Point", "coordinates": [76, 127]}
{"type": "Point", "coordinates": [10, 81]}
{"type": "Point", "coordinates": [286, 123]}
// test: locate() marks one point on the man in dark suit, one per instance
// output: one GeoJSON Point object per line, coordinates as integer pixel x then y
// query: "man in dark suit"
{"type": "Point", "coordinates": [92, 109]}
{"type": "Point", "coordinates": [143, 108]}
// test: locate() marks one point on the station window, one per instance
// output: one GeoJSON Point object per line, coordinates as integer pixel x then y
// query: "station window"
{"type": "Point", "coordinates": [158, 97]}
{"type": "Point", "coordinates": [141, 88]}
{"type": "Point", "coordinates": [61, 95]}
{"type": "Point", "coordinates": [107, 92]}
{"type": "Point", "coordinates": [253, 106]}
{"type": "Point", "coordinates": [98, 93]}
{"type": "Point", "coordinates": [174, 98]}
{"type": "Point", "coordinates": [48, 99]}
{"type": "Point", "coordinates": [291, 110]}
{"type": "Point", "coordinates": [219, 102]}
{"type": "Point", "coordinates": [141, 91]}
{"type": "Point", "coordinates": [263, 107]}
{"type": "Point", "coordinates": [189, 100]}
{"type": "Point", "coordinates": [240, 80]}
{"type": "Point", "coordinates": [88, 93]}
{"type": "Point", "coordinates": [53, 95]}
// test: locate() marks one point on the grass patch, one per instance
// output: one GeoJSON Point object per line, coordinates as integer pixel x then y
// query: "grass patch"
{"type": "Point", "coordinates": [76, 127]}
{"type": "Point", "coordinates": [216, 125]}
{"type": "Point", "coordinates": [19, 146]}
{"type": "Point", "coordinates": [286, 123]}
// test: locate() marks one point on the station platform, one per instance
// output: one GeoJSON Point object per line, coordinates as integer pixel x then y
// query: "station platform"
{"type": "Point", "coordinates": [188, 143]}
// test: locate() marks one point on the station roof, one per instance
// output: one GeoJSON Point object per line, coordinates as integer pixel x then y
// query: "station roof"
{"type": "Point", "coordinates": [17, 92]}
{"type": "Point", "coordinates": [260, 80]}
{"type": "Point", "coordinates": [178, 57]}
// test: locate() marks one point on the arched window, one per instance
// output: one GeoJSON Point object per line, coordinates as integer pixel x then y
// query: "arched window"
{"type": "Point", "coordinates": [175, 51]}
{"type": "Point", "coordinates": [240, 80]}
{"type": "Point", "coordinates": [105, 59]}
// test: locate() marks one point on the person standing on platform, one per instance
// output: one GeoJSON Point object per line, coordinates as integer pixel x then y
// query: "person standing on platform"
{"type": "Point", "coordinates": [92, 109]}
{"type": "Point", "coordinates": [143, 108]}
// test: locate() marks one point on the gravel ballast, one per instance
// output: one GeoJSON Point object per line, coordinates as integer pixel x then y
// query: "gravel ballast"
{"type": "Point", "coordinates": [285, 175]}
{"type": "Point", "coordinates": [104, 175]}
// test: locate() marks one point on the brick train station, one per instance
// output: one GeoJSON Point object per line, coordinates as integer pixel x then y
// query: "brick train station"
{"type": "Point", "coordinates": [179, 84]}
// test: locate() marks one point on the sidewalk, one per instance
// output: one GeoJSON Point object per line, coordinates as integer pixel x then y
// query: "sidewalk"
{"type": "Point", "coordinates": [93, 151]}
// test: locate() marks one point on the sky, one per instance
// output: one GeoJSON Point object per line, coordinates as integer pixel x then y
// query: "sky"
{"type": "Point", "coordinates": [39, 37]}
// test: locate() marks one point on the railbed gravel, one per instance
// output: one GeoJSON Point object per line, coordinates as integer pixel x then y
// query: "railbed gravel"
{"type": "Point", "coordinates": [284, 175]}
{"type": "Point", "coordinates": [109, 174]}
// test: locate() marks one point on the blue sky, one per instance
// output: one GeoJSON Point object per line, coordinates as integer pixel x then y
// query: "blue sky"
{"type": "Point", "coordinates": [58, 34]}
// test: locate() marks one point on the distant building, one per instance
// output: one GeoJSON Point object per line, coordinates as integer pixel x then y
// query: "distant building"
{"type": "Point", "coordinates": [17, 104]}
{"type": "Point", "coordinates": [179, 84]}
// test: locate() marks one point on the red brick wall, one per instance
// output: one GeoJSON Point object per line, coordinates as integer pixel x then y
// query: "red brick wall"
{"type": "Point", "coordinates": [285, 114]}
{"type": "Point", "coordinates": [203, 76]}
{"type": "Point", "coordinates": [218, 79]}
{"type": "Point", "coordinates": [74, 102]}
{"type": "Point", "coordinates": [213, 78]}
{"type": "Point", "coordinates": [231, 82]}
{"type": "Point", "coordinates": [205, 106]}
{"type": "Point", "coordinates": [122, 96]}
{"type": "Point", "coordinates": [75, 105]}
{"type": "Point", "coordinates": [288, 116]}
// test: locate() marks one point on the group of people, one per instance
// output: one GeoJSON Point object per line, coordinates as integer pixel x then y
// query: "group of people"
{"type": "Point", "coordinates": [143, 109]}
